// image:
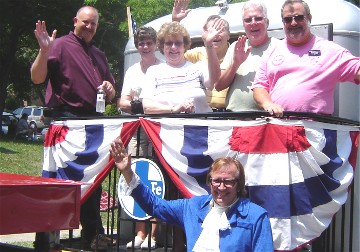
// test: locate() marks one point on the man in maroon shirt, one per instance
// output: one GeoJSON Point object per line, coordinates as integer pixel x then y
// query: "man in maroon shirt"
{"type": "Point", "coordinates": [74, 66]}
{"type": "Point", "coordinates": [75, 69]}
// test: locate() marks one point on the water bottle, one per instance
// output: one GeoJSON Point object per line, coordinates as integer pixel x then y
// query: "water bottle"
{"type": "Point", "coordinates": [136, 93]}
{"type": "Point", "coordinates": [100, 101]}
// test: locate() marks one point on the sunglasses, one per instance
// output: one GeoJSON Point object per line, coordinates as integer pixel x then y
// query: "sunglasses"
{"type": "Point", "coordinates": [297, 18]}
{"type": "Point", "coordinates": [256, 19]}
{"type": "Point", "coordinates": [215, 182]}
{"type": "Point", "coordinates": [171, 43]}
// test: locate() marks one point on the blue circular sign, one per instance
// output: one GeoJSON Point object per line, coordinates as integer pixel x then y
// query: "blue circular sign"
{"type": "Point", "coordinates": [150, 174]}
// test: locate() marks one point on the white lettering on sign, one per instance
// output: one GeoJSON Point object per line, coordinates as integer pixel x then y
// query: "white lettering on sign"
{"type": "Point", "coordinates": [155, 189]}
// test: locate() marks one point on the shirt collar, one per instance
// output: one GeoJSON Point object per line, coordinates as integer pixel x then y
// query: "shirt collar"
{"type": "Point", "coordinates": [81, 40]}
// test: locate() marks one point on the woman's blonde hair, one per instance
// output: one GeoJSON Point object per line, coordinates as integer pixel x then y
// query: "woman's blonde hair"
{"type": "Point", "coordinates": [172, 29]}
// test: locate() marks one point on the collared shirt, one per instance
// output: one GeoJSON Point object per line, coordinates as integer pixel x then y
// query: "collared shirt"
{"type": "Point", "coordinates": [303, 78]}
{"type": "Point", "coordinates": [75, 70]}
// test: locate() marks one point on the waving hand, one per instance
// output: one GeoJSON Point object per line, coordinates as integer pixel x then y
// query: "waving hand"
{"type": "Point", "coordinates": [44, 40]}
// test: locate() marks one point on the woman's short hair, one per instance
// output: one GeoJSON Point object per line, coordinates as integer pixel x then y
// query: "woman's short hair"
{"type": "Point", "coordinates": [226, 161]}
{"type": "Point", "coordinates": [172, 29]}
{"type": "Point", "coordinates": [144, 32]}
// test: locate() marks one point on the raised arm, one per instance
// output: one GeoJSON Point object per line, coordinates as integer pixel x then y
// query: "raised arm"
{"type": "Point", "coordinates": [180, 10]}
{"type": "Point", "coordinates": [39, 67]}
{"type": "Point", "coordinates": [239, 56]}
{"type": "Point", "coordinates": [208, 35]}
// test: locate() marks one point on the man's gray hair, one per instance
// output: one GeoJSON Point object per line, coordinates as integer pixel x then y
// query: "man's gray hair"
{"type": "Point", "coordinates": [292, 2]}
{"type": "Point", "coordinates": [256, 4]}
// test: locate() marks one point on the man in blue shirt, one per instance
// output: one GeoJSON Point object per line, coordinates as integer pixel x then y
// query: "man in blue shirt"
{"type": "Point", "coordinates": [222, 221]}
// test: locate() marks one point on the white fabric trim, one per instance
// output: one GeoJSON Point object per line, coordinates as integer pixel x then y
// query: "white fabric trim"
{"type": "Point", "coordinates": [126, 189]}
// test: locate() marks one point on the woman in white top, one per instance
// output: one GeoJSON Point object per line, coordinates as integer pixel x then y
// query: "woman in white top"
{"type": "Point", "coordinates": [134, 80]}
{"type": "Point", "coordinates": [177, 85]}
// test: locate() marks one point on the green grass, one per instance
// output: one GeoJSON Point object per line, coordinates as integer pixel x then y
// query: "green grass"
{"type": "Point", "coordinates": [21, 157]}
{"type": "Point", "coordinates": [26, 157]}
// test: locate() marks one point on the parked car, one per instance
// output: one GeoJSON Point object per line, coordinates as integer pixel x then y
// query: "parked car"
{"type": "Point", "coordinates": [8, 123]}
{"type": "Point", "coordinates": [37, 116]}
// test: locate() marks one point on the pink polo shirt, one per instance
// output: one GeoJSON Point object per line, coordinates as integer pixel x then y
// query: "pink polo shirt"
{"type": "Point", "coordinates": [304, 78]}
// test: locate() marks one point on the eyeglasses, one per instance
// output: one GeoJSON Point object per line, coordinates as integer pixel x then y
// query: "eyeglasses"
{"type": "Point", "coordinates": [216, 182]}
{"type": "Point", "coordinates": [297, 18]}
{"type": "Point", "coordinates": [148, 44]}
{"type": "Point", "coordinates": [250, 19]}
{"type": "Point", "coordinates": [171, 43]}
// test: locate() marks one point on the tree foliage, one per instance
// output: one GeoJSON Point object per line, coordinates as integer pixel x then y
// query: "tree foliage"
{"type": "Point", "coordinates": [146, 10]}
{"type": "Point", "coordinates": [109, 36]}
{"type": "Point", "coordinates": [18, 46]}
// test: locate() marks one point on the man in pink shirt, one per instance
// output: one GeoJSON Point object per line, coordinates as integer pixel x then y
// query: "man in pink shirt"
{"type": "Point", "coordinates": [300, 73]}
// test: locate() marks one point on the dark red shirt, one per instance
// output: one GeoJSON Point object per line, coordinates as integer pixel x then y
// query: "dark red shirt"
{"type": "Point", "coordinates": [75, 70]}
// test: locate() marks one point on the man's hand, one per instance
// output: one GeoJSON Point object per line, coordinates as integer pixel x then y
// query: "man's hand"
{"type": "Point", "coordinates": [263, 99]}
{"type": "Point", "coordinates": [44, 40]}
{"type": "Point", "coordinates": [240, 55]}
{"type": "Point", "coordinates": [180, 10]}
{"type": "Point", "coordinates": [274, 109]}
{"type": "Point", "coordinates": [121, 158]}
{"type": "Point", "coordinates": [109, 90]}
{"type": "Point", "coordinates": [210, 33]}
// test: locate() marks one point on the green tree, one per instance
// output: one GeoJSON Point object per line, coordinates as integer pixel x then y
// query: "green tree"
{"type": "Point", "coordinates": [355, 2]}
{"type": "Point", "coordinates": [110, 36]}
{"type": "Point", "coordinates": [145, 11]}
{"type": "Point", "coordinates": [18, 45]}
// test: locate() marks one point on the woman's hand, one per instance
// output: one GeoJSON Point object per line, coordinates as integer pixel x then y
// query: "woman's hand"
{"type": "Point", "coordinates": [186, 106]}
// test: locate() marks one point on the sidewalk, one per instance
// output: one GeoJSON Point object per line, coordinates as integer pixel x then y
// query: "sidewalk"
{"type": "Point", "coordinates": [30, 237]}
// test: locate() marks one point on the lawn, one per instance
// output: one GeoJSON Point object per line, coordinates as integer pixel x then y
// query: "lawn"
{"type": "Point", "coordinates": [24, 157]}
{"type": "Point", "coordinates": [21, 157]}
